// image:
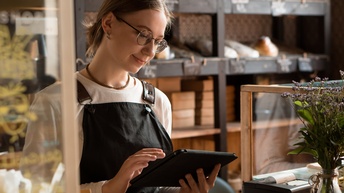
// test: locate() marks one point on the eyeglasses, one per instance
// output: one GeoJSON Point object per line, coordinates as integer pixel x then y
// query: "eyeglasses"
{"type": "Point", "coordinates": [145, 37]}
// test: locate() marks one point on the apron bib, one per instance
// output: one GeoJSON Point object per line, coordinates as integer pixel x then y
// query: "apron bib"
{"type": "Point", "coordinates": [113, 132]}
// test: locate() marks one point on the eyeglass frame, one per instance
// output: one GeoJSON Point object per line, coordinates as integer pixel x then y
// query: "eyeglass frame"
{"type": "Point", "coordinates": [163, 41]}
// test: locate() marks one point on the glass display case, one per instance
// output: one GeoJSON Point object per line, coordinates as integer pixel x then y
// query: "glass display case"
{"type": "Point", "coordinates": [37, 50]}
{"type": "Point", "coordinates": [269, 129]}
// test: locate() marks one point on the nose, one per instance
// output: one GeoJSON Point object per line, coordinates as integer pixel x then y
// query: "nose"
{"type": "Point", "coordinates": [149, 49]}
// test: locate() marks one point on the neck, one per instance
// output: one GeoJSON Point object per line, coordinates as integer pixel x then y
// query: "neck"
{"type": "Point", "coordinates": [93, 78]}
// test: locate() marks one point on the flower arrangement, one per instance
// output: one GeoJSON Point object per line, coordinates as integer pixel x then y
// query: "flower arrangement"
{"type": "Point", "coordinates": [320, 106]}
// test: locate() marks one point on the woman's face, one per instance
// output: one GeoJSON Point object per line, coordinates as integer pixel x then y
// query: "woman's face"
{"type": "Point", "coordinates": [123, 47]}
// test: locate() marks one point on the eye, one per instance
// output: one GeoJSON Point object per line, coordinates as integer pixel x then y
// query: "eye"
{"type": "Point", "coordinates": [146, 34]}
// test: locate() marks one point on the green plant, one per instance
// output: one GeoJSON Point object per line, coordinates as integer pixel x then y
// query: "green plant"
{"type": "Point", "coordinates": [320, 106]}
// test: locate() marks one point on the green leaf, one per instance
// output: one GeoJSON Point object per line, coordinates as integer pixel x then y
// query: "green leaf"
{"type": "Point", "coordinates": [306, 115]}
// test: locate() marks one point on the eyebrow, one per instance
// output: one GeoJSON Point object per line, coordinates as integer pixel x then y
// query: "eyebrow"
{"type": "Point", "coordinates": [140, 26]}
{"type": "Point", "coordinates": [147, 28]}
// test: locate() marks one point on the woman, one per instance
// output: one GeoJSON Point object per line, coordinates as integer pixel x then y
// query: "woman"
{"type": "Point", "coordinates": [125, 124]}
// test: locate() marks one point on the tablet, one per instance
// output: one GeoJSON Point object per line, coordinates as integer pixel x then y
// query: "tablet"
{"type": "Point", "coordinates": [167, 171]}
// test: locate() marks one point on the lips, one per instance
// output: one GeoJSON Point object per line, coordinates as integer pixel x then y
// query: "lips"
{"type": "Point", "coordinates": [142, 61]}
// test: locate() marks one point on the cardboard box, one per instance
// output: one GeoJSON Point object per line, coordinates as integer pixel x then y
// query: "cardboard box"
{"type": "Point", "coordinates": [183, 118]}
{"type": "Point", "coordinates": [204, 120]}
{"type": "Point", "coordinates": [182, 100]}
{"type": "Point", "coordinates": [197, 85]}
{"type": "Point", "coordinates": [205, 112]}
{"type": "Point", "coordinates": [169, 84]}
{"type": "Point", "coordinates": [204, 95]}
{"type": "Point", "coordinates": [204, 104]}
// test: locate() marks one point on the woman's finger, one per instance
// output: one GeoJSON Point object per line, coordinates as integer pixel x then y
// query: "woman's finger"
{"type": "Point", "coordinates": [202, 182]}
{"type": "Point", "coordinates": [212, 177]}
{"type": "Point", "coordinates": [191, 182]}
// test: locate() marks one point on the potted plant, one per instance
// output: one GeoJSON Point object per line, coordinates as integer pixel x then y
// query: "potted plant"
{"type": "Point", "coordinates": [320, 106]}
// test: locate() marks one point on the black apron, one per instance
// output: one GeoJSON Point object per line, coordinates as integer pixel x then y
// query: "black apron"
{"type": "Point", "coordinates": [113, 132]}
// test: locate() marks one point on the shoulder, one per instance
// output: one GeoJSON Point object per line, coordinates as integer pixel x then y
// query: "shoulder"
{"type": "Point", "coordinates": [52, 91]}
{"type": "Point", "coordinates": [162, 102]}
{"type": "Point", "coordinates": [161, 97]}
{"type": "Point", "coordinates": [50, 96]}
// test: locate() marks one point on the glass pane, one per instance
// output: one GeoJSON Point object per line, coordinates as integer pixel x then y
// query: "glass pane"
{"type": "Point", "coordinates": [275, 131]}
{"type": "Point", "coordinates": [28, 63]}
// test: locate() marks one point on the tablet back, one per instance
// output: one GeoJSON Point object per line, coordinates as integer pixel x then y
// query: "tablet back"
{"type": "Point", "coordinates": [168, 171]}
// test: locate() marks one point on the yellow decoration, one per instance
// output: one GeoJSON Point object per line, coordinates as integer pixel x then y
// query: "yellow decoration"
{"type": "Point", "coordinates": [14, 111]}
{"type": "Point", "coordinates": [15, 62]}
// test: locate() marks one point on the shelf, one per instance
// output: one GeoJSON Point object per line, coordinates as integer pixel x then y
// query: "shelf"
{"type": "Point", "coordinates": [184, 6]}
{"type": "Point", "coordinates": [193, 6]}
{"type": "Point", "coordinates": [197, 131]}
{"type": "Point", "coordinates": [271, 7]}
{"type": "Point", "coordinates": [181, 67]}
{"type": "Point", "coordinates": [287, 64]}
{"type": "Point", "coordinates": [210, 66]}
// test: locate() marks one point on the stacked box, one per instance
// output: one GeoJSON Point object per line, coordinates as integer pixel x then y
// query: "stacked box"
{"type": "Point", "coordinates": [183, 109]}
{"type": "Point", "coordinates": [169, 84]}
{"type": "Point", "coordinates": [197, 85]}
{"type": "Point", "coordinates": [204, 109]}
{"type": "Point", "coordinates": [230, 103]}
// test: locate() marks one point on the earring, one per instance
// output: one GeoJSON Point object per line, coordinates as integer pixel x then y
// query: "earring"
{"type": "Point", "coordinates": [108, 35]}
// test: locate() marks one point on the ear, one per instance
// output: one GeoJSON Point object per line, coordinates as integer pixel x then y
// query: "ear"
{"type": "Point", "coordinates": [106, 22]}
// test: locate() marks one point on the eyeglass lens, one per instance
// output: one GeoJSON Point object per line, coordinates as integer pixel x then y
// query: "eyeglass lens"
{"type": "Point", "coordinates": [145, 37]}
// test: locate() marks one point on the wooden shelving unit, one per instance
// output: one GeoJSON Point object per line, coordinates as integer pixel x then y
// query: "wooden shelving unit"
{"type": "Point", "coordinates": [218, 66]}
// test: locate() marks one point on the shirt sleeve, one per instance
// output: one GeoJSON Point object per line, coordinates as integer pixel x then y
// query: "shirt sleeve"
{"type": "Point", "coordinates": [42, 152]}
{"type": "Point", "coordinates": [169, 190]}
{"type": "Point", "coordinates": [95, 187]}
{"type": "Point", "coordinates": [162, 108]}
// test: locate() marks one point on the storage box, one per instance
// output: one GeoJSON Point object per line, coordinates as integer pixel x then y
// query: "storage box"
{"type": "Point", "coordinates": [205, 112]}
{"type": "Point", "coordinates": [204, 104]}
{"type": "Point", "coordinates": [183, 118]}
{"type": "Point", "coordinates": [182, 100]}
{"type": "Point", "coordinates": [197, 85]}
{"type": "Point", "coordinates": [204, 116]}
{"type": "Point", "coordinates": [230, 111]}
{"type": "Point", "coordinates": [204, 120]}
{"type": "Point", "coordinates": [204, 95]}
{"type": "Point", "coordinates": [170, 84]}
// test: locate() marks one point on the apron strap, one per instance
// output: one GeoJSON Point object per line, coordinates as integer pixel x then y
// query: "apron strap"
{"type": "Point", "coordinates": [148, 92]}
{"type": "Point", "coordinates": [147, 95]}
{"type": "Point", "coordinates": [82, 93]}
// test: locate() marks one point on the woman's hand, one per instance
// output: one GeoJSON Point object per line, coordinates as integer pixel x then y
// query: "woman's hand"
{"type": "Point", "coordinates": [204, 184]}
{"type": "Point", "coordinates": [131, 168]}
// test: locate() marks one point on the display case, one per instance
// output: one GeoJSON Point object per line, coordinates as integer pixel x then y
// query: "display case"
{"type": "Point", "coordinates": [269, 130]}
{"type": "Point", "coordinates": [36, 38]}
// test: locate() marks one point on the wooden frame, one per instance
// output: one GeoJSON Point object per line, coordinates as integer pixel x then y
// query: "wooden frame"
{"type": "Point", "coordinates": [246, 110]}
{"type": "Point", "coordinates": [68, 94]}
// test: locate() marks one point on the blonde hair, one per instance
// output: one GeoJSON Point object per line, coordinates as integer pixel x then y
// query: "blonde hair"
{"type": "Point", "coordinates": [95, 32]}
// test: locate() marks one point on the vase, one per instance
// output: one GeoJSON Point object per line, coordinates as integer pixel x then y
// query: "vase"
{"type": "Point", "coordinates": [326, 182]}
